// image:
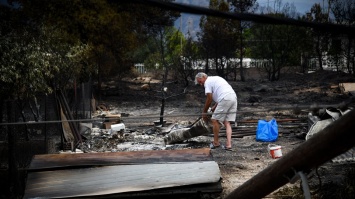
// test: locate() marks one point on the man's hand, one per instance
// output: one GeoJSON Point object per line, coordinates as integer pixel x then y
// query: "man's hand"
{"type": "Point", "coordinates": [205, 117]}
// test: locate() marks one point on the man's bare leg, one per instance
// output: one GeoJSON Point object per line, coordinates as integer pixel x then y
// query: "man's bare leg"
{"type": "Point", "coordinates": [229, 134]}
{"type": "Point", "coordinates": [215, 129]}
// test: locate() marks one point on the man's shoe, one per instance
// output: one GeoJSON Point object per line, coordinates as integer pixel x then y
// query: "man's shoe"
{"type": "Point", "coordinates": [212, 146]}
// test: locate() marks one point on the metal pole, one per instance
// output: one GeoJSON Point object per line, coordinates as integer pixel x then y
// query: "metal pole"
{"type": "Point", "coordinates": [334, 140]}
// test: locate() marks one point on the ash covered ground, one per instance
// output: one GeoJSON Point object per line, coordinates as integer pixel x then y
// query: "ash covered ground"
{"type": "Point", "coordinates": [257, 99]}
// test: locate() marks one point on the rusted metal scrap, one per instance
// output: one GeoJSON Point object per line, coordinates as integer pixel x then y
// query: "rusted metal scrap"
{"type": "Point", "coordinates": [199, 128]}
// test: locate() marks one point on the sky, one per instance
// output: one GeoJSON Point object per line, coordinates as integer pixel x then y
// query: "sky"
{"type": "Point", "coordinates": [302, 6]}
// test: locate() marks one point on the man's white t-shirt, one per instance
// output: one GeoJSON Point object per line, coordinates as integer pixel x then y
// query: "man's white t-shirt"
{"type": "Point", "coordinates": [219, 88]}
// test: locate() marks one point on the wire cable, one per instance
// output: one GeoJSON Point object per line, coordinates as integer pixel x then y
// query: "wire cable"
{"type": "Point", "coordinates": [103, 117]}
{"type": "Point", "coordinates": [305, 187]}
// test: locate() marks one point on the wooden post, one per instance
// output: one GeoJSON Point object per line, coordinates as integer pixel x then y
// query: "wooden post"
{"type": "Point", "coordinates": [335, 139]}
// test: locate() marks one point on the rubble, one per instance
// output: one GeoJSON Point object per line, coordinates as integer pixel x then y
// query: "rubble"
{"type": "Point", "coordinates": [250, 156]}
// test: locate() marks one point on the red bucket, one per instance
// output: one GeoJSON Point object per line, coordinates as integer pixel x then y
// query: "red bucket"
{"type": "Point", "coordinates": [275, 151]}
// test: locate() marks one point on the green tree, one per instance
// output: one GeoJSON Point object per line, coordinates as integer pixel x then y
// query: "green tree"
{"type": "Point", "coordinates": [167, 57]}
{"type": "Point", "coordinates": [335, 51]}
{"type": "Point", "coordinates": [274, 46]}
{"type": "Point", "coordinates": [163, 51]}
{"type": "Point", "coordinates": [34, 59]}
{"type": "Point", "coordinates": [242, 6]}
{"type": "Point", "coordinates": [321, 39]}
{"type": "Point", "coordinates": [37, 61]}
{"type": "Point", "coordinates": [190, 59]}
{"type": "Point", "coordinates": [343, 11]}
{"type": "Point", "coordinates": [218, 38]}
{"type": "Point", "coordinates": [278, 46]}
{"type": "Point", "coordinates": [304, 49]}
{"type": "Point", "coordinates": [113, 29]}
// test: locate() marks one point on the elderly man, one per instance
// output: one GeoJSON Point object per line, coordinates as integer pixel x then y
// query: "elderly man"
{"type": "Point", "coordinates": [224, 110]}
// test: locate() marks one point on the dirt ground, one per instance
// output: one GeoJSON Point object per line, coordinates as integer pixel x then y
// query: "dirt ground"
{"type": "Point", "coordinates": [257, 99]}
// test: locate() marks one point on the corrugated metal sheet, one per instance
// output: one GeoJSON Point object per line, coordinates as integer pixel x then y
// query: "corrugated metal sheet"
{"type": "Point", "coordinates": [113, 174]}
{"type": "Point", "coordinates": [348, 156]}
{"type": "Point", "coordinates": [118, 179]}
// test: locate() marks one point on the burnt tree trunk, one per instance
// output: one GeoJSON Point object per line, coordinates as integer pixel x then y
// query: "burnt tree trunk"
{"type": "Point", "coordinates": [162, 101]}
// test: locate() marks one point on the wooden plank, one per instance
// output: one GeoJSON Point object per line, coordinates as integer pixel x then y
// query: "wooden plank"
{"type": "Point", "coordinates": [119, 179]}
{"type": "Point", "coordinates": [189, 191]}
{"type": "Point", "coordinates": [348, 88]}
{"type": "Point", "coordinates": [67, 132]}
{"type": "Point", "coordinates": [50, 161]}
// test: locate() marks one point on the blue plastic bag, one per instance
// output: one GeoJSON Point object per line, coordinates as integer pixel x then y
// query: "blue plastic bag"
{"type": "Point", "coordinates": [267, 131]}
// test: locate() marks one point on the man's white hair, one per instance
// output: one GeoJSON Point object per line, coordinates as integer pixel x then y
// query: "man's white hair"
{"type": "Point", "coordinates": [200, 75]}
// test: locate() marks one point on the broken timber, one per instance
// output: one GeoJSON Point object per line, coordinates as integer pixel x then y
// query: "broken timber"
{"type": "Point", "coordinates": [348, 88]}
{"type": "Point", "coordinates": [202, 128]}
{"type": "Point", "coordinates": [123, 174]}
{"type": "Point", "coordinates": [70, 127]}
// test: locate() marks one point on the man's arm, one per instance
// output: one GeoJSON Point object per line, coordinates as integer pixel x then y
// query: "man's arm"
{"type": "Point", "coordinates": [207, 105]}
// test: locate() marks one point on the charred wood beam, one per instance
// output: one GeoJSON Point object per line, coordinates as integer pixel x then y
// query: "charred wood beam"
{"type": "Point", "coordinates": [283, 128]}
{"type": "Point", "coordinates": [288, 120]}
{"type": "Point", "coordinates": [250, 133]}
{"type": "Point", "coordinates": [292, 125]}
{"type": "Point", "coordinates": [259, 18]}
{"type": "Point", "coordinates": [332, 141]}
{"type": "Point", "coordinates": [244, 133]}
